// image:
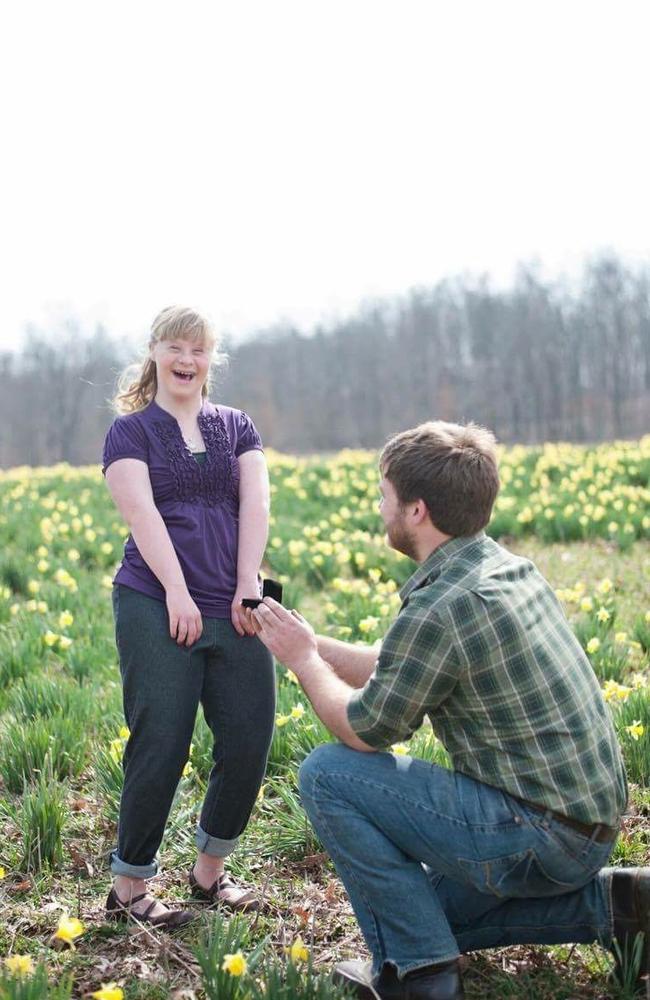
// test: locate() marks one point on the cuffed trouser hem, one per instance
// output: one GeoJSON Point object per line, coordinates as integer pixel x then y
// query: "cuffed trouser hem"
{"type": "Point", "coordinates": [404, 970]}
{"type": "Point", "coordinates": [214, 846]}
{"type": "Point", "coordinates": [119, 867]}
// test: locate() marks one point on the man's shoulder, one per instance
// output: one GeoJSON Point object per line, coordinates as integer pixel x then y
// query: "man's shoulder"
{"type": "Point", "coordinates": [485, 560]}
{"type": "Point", "coordinates": [432, 600]}
{"type": "Point", "coordinates": [482, 568]}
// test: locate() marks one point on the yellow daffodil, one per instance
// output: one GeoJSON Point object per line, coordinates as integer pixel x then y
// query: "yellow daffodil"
{"type": "Point", "coordinates": [2, 872]}
{"type": "Point", "coordinates": [51, 638]}
{"type": "Point", "coordinates": [106, 548]}
{"type": "Point", "coordinates": [69, 929]}
{"type": "Point", "coordinates": [64, 579]}
{"type": "Point", "coordinates": [235, 964]}
{"type": "Point", "coordinates": [33, 586]}
{"type": "Point", "coordinates": [586, 604]}
{"type": "Point", "coordinates": [124, 733]}
{"type": "Point", "coordinates": [605, 586]}
{"type": "Point", "coordinates": [593, 645]}
{"type": "Point", "coordinates": [368, 624]}
{"type": "Point", "coordinates": [299, 952]}
{"type": "Point", "coordinates": [109, 992]}
{"type": "Point", "coordinates": [603, 615]}
{"type": "Point", "coordinates": [187, 770]}
{"type": "Point", "coordinates": [66, 618]}
{"type": "Point", "coordinates": [297, 711]}
{"type": "Point", "coordinates": [65, 642]}
{"type": "Point", "coordinates": [19, 965]}
{"type": "Point", "coordinates": [116, 750]}
{"type": "Point", "coordinates": [281, 720]}
{"type": "Point", "coordinates": [612, 690]}
{"type": "Point", "coordinates": [400, 748]}
{"type": "Point", "coordinates": [620, 636]}
{"type": "Point", "coordinates": [107, 581]}
{"type": "Point", "coordinates": [635, 729]}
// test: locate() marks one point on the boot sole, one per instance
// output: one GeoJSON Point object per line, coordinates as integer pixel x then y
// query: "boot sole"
{"type": "Point", "coordinates": [362, 989]}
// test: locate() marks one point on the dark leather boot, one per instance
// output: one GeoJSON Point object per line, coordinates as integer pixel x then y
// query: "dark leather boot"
{"type": "Point", "coordinates": [433, 982]}
{"type": "Point", "coordinates": [631, 911]}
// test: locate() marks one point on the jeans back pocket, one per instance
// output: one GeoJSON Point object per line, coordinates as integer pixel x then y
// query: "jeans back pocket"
{"type": "Point", "coordinates": [512, 876]}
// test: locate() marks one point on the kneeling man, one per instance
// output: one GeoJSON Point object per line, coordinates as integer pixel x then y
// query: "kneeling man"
{"type": "Point", "coordinates": [508, 847]}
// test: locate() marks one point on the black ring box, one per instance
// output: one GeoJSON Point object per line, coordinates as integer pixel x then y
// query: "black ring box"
{"type": "Point", "coordinates": [270, 588]}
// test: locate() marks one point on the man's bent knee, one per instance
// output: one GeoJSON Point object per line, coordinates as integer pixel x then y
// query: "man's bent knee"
{"type": "Point", "coordinates": [320, 761]}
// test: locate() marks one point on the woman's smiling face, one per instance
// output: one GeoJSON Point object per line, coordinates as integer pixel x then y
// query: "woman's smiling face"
{"type": "Point", "coordinates": [182, 366]}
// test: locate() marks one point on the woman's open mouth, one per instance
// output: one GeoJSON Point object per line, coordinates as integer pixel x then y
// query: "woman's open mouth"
{"type": "Point", "coordinates": [184, 376]}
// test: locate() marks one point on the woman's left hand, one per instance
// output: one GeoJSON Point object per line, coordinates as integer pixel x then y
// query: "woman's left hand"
{"type": "Point", "coordinates": [240, 616]}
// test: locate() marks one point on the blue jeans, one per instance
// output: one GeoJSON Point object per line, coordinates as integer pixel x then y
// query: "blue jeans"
{"type": "Point", "coordinates": [436, 863]}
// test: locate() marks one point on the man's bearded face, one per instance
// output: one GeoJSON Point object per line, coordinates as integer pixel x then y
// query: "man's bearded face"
{"type": "Point", "coordinates": [394, 517]}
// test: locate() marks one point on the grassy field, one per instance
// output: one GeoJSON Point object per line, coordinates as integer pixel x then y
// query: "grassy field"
{"type": "Point", "coordinates": [581, 514]}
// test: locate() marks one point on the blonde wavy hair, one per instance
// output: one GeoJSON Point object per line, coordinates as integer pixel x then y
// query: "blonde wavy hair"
{"type": "Point", "coordinates": [137, 385]}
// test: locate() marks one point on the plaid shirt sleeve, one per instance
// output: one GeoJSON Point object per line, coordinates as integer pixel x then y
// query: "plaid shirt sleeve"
{"type": "Point", "coordinates": [416, 670]}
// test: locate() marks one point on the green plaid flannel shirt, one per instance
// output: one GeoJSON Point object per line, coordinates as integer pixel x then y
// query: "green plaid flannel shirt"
{"type": "Point", "coordinates": [482, 645]}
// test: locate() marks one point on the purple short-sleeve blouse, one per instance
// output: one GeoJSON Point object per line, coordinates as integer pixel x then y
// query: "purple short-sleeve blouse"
{"type": "Point", "coordinates": [199, 503]}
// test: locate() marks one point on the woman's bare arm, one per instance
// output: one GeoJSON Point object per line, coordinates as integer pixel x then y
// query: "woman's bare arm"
{"type": "Point", "coordinates": [254, 504]}
{"type": "Point", "coordinates": [129, 485]}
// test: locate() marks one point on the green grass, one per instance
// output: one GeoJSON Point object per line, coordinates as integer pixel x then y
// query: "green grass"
{"type": "Point", "coordinates": [60, 709]}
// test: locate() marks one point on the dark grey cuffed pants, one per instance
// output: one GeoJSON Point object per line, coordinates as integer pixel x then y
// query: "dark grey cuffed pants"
{"type": "Point", "coordinates": [233, 678]}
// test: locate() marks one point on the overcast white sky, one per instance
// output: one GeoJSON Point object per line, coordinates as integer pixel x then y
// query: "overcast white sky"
{"type": "Point", "coordinates": [287, 159]}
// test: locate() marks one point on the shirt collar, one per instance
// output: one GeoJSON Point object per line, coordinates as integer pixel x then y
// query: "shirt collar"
{"type": "Point", "coordinates": [432, 565]}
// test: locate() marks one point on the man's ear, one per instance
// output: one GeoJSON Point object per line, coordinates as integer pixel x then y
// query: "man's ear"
{"type": "Point", "coordinates": [419, 512]}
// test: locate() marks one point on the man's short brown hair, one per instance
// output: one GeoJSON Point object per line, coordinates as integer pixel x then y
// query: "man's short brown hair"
{"type": "Point", "coordinates": [451, 467]}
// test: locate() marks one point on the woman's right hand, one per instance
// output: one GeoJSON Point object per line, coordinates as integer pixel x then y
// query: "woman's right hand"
{"type": "Point", "coordinates": [185, 622]}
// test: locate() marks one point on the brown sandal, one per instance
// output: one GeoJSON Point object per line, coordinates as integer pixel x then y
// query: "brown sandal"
{"type": "Point", "coordinates": [123, 912]}
{"type": "Point", "coordinates": [225, 891]}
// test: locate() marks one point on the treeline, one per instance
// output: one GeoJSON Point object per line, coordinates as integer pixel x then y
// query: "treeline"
{"type": "Point", "coordinates": [535, 362]}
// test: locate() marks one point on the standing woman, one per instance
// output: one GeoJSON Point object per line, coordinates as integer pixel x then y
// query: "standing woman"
{"type": "Point", "coordinates": [190, 480]}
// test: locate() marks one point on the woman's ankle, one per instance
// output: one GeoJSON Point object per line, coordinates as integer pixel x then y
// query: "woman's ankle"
{"type": "Point", "coordinates": [127, 888]}
{"type": "Point", "coordinates": [208, 867]}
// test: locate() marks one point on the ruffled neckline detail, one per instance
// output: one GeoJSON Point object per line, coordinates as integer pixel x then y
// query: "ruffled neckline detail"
{"type": "Point", "coordinates": [211, 482]}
